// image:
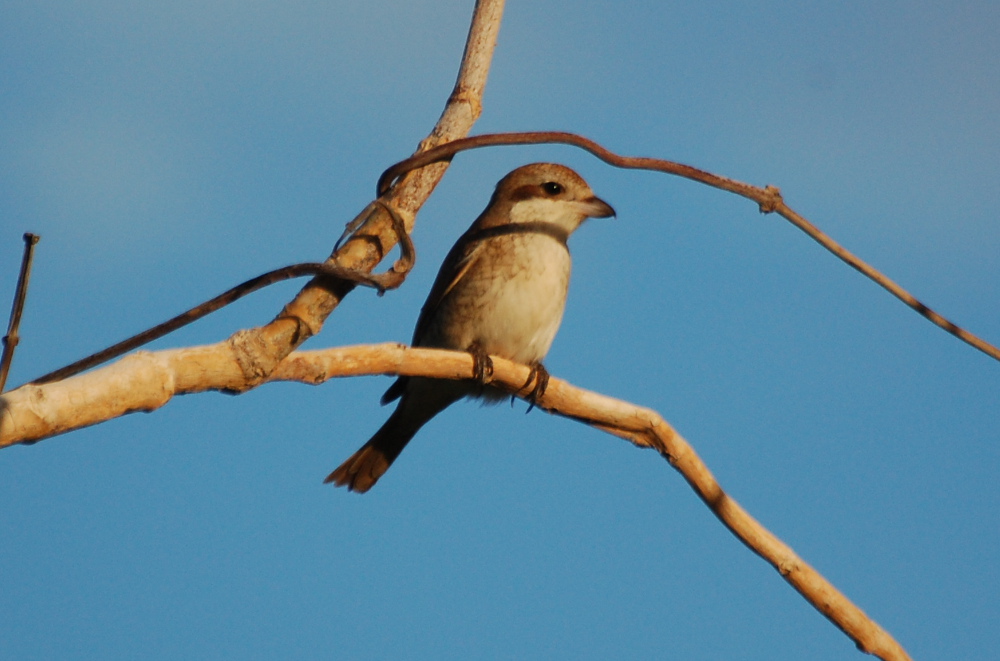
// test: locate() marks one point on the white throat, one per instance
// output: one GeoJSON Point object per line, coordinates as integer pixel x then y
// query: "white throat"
{"type": "Point", "coordinates": [563, 213]}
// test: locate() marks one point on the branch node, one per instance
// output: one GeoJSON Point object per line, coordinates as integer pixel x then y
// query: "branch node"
{"type": "Point", "coordinates": [787, 566]}
{"type": "Point", "coordinates": [771, 199]}
{"type": "Point", "coordinates": [469, 97]}
{"type": "Point", "coordinates": [252, 354]}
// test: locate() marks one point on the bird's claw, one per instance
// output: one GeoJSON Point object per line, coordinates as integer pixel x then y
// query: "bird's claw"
{"type": "Point", "coordinates": [540, 376]}
{"type": "Point", "coordinates": [482, 364]}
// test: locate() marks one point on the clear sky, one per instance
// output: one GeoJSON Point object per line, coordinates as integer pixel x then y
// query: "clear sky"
{"type": "Point", "coordinates": [166, 151]}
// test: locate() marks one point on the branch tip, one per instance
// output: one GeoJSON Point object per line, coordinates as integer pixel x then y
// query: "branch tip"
{"type": "Point", "coordinates": [11, 339]}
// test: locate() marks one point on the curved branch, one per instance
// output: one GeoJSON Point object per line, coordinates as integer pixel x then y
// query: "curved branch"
{"type": "Point", "coordinates": [245, 359]}
{"type": "Point", "coordinates": [145, 381]}
{"type": "Point", "coordinates": [768, 198]}
{"type": "Point", "coordinates": [641, 426]}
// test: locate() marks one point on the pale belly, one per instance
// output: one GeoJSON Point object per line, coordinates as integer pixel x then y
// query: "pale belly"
{"type": "Point", "coordinates": [509, 307]}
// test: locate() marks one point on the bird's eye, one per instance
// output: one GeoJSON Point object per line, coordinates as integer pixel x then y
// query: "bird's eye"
{"type": "Point", "coordinates": [552, 188]}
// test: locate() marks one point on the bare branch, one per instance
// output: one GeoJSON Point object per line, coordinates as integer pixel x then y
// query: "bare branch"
{"type": "Point", "coordinates": [641, 426]}
{"type": "Point", "coordinates": [245, 359]}
{"type": "Point", "coordinates": [304, 316]}
{"type": "Point", "coordinates": [768, 198]}
{"type": "Point", "coordinates": [146, 381]}
{"type": "Point", "coordinates": [11, 339]}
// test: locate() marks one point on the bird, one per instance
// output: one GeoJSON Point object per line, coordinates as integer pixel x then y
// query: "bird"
{"type": "Point", "coordinates": [501, 290]}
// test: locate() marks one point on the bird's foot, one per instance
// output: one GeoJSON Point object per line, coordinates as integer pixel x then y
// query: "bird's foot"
{"type": "Point", "coordinates": [482, 364]}
{"type": "Point", "coordinates": [540, 376]}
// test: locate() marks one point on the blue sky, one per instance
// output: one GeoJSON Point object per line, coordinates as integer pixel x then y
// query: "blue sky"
{"type": "Point", "coordinates": [166, 151]}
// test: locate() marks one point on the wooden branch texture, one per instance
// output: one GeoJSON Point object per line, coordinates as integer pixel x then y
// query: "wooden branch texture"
{"type": "Point", "coordinates": [146, 381]}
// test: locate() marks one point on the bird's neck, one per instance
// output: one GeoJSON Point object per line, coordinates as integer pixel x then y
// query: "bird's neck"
{"type": "Point", "coordinates": [557, 232]}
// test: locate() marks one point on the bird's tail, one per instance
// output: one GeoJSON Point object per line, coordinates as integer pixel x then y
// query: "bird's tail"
{"type": "Point", "coordinates": [363, 469]}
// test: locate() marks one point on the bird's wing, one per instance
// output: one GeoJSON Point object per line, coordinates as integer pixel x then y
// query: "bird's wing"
{"type": "Point", "coordinates": [458, 262]}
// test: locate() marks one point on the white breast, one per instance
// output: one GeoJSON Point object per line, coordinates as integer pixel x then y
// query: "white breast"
{"type": "Point", "coordinates": [528, 304]}
{"type": "Point", "coordinates": [511, 300]}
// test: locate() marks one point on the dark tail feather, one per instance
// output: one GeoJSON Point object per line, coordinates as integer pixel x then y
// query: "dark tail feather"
{"type": "Point", "coordinates": [363, 469]}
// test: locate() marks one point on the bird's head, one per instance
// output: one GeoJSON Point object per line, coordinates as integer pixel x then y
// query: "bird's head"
{"type": "Point", "coordinates": [544, 192]}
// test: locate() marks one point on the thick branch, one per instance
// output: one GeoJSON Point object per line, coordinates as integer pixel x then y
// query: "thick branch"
{"type": "Point", "coordinates": [369, 245]}
{"type": "Point", "coordinates": [245, 359]}
{"type": "Point", "coordinates": [146, 381]}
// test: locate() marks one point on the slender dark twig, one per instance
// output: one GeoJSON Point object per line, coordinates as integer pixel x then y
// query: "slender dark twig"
{"type": "Point", "coordinates": [185, 318]}
{"type": "Point", "coordinates": [768, 198]}
{"type": "Point", "coordinates": [381, 282]}
{"type": "Point", "coordinates": [11, 339]}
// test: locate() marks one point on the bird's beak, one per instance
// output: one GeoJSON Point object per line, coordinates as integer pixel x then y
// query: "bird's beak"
{"type": "Point", "coordinates": [595, 207]}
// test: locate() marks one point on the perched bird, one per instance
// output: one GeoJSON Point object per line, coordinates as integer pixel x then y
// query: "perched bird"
{"type": "Point", "coordinates": [500, 291]}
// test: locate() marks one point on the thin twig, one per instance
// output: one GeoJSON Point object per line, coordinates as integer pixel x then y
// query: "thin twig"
{"type": "Point", "coordinates": [391, 279]}
{"type": "Point", "coordinates": [768, 198]}
{"type": "Point", "coordinates": [214, 304]}
{"type": "Point", "coordinates": [187, 317]}
{"type": "Point", "coordinates": [11, 339]}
